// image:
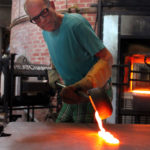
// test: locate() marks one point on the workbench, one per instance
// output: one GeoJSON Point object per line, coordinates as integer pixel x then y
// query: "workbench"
{"type": "Point", "coordinates": [72, 136]}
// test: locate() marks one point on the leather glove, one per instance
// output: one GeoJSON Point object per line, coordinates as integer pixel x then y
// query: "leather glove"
{"type": "Point", "coordinates": [96, 77]}
{"type": "Point", "coordinates": [71, 94]}
{"type": "Point", "coordinates": [99, 74]}
{"type": "Point", "coordinates": [53, 77]}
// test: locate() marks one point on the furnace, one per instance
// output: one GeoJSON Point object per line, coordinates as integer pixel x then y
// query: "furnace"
{"type": "Point", "coordinates": [124, 27]}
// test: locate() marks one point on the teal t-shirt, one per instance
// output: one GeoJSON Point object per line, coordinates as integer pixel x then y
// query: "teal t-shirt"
{"type": "Point", "coordinates": [72, 47]}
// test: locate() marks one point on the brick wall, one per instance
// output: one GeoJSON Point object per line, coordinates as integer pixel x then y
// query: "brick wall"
{"type": "Point", "coordinates": [26, 38]}
{"type": "Point", "coordinates": [65, 4]}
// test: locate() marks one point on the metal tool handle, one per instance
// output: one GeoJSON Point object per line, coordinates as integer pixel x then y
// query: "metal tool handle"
{"type": "Point", "coordinates": [60, 85]}
{"type": "Point", "coordinates": [78, 92]}
{"type": "Point", "coordinates": [95, 93]}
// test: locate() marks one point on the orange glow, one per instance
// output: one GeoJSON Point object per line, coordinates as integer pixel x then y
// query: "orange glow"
{"type": "Point", "coordinates": [136, 58]}
{"type": "Point", "coordinates": [92, 102]}
{"type": "Point", "coordinates": [131, 74]}
{"type": "Point", "coordinates": [106, 136]}
{"type": "Point", "coordinates": [141, 91]}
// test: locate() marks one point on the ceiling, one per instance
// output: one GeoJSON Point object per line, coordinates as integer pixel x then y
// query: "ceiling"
{"type": "Point", "coordinates": [5, 11]}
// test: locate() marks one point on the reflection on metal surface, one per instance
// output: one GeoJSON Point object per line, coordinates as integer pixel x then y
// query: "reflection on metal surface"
{"type": "Point", "coordinates": [74, 136]}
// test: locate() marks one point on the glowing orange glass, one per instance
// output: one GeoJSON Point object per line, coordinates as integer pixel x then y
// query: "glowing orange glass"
{"type": "Point", "coordinates": [106, 136]}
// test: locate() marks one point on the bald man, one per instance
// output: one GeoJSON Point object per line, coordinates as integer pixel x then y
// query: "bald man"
{"type": "Point", "coordinates": [79, 56]}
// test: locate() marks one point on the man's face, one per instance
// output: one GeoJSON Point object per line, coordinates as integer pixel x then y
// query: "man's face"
{"type": "Point", "coordinates": [42, 15]}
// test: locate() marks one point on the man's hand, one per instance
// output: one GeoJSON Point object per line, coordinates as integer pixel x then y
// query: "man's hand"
{"type": "Point", "coordinates": [71, 94]}
{"type": "Point", "coordinates": [96, 77]}
{"type": "Point", "coordinates": [53, 77]}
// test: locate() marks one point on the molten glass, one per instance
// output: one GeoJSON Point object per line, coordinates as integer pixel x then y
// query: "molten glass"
{"type": "Point", "coordinates": [107, 136]}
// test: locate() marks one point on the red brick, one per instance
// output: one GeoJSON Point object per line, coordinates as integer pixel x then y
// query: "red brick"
{"type": "Point", "coordinates": [28, 38]}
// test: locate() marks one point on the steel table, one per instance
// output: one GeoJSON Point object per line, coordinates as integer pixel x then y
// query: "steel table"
{"type": "Point", "coordinates": [71, 136]}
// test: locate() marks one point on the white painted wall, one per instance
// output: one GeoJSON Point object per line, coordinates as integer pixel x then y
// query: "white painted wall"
{"type": "Point", "coordinates": [110, 39]}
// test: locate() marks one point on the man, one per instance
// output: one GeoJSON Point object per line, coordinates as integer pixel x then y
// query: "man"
{"type": "Point", "coordinates": [80, 58]}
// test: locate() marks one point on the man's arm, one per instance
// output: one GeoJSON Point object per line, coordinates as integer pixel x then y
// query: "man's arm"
{"type": "Point", "coordinates": [105, 55]}
{"type": "Point", "coordinates": [100, 73]}
{"type": "Point", "coordinates": [97, 76]}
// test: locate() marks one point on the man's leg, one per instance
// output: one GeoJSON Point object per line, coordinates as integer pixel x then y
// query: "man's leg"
{"type": "Point", "coordinates": [83, 113]}
{"type": "Point", "coordinates": [65, 114]}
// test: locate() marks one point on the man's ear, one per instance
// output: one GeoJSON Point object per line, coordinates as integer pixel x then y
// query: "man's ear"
{"type": "Point", "coordinates": [52, 4]}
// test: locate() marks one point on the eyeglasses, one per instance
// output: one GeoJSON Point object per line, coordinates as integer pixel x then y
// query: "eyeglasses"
{"type": "Point", "coordinates": [43, 13]}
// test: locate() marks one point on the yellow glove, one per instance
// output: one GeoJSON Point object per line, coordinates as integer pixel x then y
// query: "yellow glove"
{"type": "Point", "coordinates": [99, 74]}
{"type": "Point", "coordinates": [96, 77]}
{"type": "Point", "coordinates": [71, 95]}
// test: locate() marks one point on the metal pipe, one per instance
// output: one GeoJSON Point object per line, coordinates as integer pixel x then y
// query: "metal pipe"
{"type": "Point", "coordinates": [61, 85]}
{"type": "Point", "coordinates": [78, 92]}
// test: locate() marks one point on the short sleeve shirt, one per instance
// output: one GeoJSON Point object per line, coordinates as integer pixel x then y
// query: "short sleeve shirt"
{"type": "Point", "coordinates": [72, 47]}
